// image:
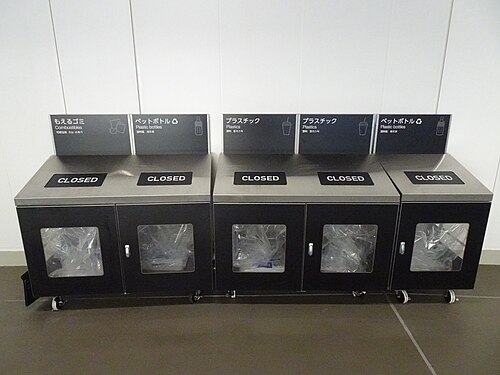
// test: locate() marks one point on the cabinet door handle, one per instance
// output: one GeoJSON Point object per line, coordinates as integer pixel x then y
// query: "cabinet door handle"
{"type": "Point", "coordinates": [402, 247]}
{"type": "Point", "coordinates": [310, 250]}
{"type": "Point", "coordinates": [127, 251]}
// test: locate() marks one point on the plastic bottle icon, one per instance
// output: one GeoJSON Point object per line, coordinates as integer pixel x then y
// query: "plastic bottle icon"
{"type": "Point", "coordinates": [440, 127]}
{"type": "Point", "coordinates": [286, 126]}
{"type": "Point", "coordinates": [198, 126]}
{"type": "Point", "coordinates": [363, 127]}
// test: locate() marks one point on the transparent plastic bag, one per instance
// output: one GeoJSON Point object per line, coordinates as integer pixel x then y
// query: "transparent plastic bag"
{"type": "Point", "coordinates": [166, 248]}
{"type": "Point", "coordinates": [348, 248]}
{"type": "Point", "coordinates": [259, 247]}
{"type": "Point", "coordinates": [72, 251]}
{"type": "Point", "coordinates": [439, 246]}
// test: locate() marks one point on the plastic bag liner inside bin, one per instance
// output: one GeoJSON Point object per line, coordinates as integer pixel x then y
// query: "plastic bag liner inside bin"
{"type": "Point", "coordinates": [348, 248]}
{"type": "Point", "coordinates": [439, 247]}
{"type": "Point", "coordinates": [72, 251]}
{"type": "Point", "coordinates": [166, 248]}
{"type": "Point", "coordinates": [259, 247]}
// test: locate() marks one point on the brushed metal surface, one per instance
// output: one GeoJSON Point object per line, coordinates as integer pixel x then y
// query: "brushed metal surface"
{"type": "Point", "coordinates": [120, 185]}
{"type": "Point", "coordinates": [471, 191]}
{"type": "Point", "coordinates": [303, 184]}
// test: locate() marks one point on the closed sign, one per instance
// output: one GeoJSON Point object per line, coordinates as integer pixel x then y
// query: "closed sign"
{"type": "Point", "coordinates": [434, 178]}
{"type": "Point", "coordinates": [259, 178]}
{"type": "Point", "coordinates": [165, 178]}
{"type": "Point", "coordinates": [344, 178]}
{"type": "Point", "coordinates": [76, 180]}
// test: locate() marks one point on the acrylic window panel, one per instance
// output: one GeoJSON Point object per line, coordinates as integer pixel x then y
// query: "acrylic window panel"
{"type": "Point", "coordinates": [259, 248]}
{"type": "Point", "coordinates": [166, 248]}
{"type": "Point", "coordinates": [348, 248]}
{"type": "Point", "coordinates": [72, 251]}
{"type": "Point", "coordinates": [439, 247]}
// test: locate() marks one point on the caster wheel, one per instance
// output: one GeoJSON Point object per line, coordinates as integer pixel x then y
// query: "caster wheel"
{"type": "Point", "coordinates": [58, 303]}
{"type": "Point", "coordinates": [231, 294]}
{"type": "Point", "coordinates": [450, 296]}
{"type": "Point", "coordinates": [196, 296]}
{"type": "Point", "coordinates": [358, 293]}
{"type": "Point", "coordinates": [402, 296]}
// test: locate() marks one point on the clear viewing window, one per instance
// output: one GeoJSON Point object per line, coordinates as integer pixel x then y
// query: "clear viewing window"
{"type": "Point", "coordinates": [348, 248]}
{"type": "Point", "coordinates": [439, 247]}
{"type": "Point", "coordinates": [72, 251]}
{"type": "Point", "coordinates": [166, 248]}
{"type": "Point", "coordinates": [259, 247]}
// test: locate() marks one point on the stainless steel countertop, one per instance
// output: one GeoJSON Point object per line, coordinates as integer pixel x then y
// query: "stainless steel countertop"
{"type": "Point", "coordinates": [120, 185]}
{"type": "Point", "coordinates": [303, 184]}
{"type": "Point", "coordinates": [471, 191]}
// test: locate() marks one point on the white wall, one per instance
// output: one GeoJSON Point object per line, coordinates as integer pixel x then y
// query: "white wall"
{"type": "Point", "coordinates": [215, 56]}
{"type": "Point", "coordinates": [96, 55]}
{"type": "Point", "coordinates": [471, 91]}
{"type": "Point", "coordinates": [30, 89]}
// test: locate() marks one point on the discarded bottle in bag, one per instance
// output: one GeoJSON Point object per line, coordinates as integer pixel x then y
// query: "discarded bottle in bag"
{"type": "Point", "coordinates": [198, 126]}
{"type": "Point", "coordinates": [440, 127]}
{"type": "Point", "coordinates": [286, 126]}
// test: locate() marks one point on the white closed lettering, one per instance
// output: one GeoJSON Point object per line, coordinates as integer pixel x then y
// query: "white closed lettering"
{"type": "Point", "coordinates": [345, 178]}
{"type": "Point", "coordinates": [259, 178]}
{"type": "Point", "coordinates": [164, 178]}
{"type": "Point", "coordinates": [78, 180]}
{"type": "Point", "coordinates": [443, 177]}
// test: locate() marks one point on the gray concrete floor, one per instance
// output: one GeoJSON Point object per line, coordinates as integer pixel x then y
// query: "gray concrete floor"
{"type": "Point", "coordinates": [253, 335]}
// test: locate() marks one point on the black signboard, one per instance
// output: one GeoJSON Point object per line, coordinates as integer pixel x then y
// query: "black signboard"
{"type": "Point", "coordinates": [345, 178]}
{"type": "Point", "coordinates": [170, 134]}
{"type": "Point", "coordinates": [259, 134]}
{"type": "Point", "coordinates": [335, 134]}
{"type": "Point", "coordinates": [259, 178]}
{"type": "Point", "coordinates": [412, 134]}
{"type": "Point", "coordinates": [76, 180]}
{"type": "Point", "coordinates": [165, 178]}
{"type": "Point", "coordinates": [91, 134]}
{"type": "Point", "coordinates": [434, 178]}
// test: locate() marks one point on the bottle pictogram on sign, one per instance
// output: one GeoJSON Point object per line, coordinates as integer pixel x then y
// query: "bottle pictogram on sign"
{"type": "Point", "coordinates": [198, 126]}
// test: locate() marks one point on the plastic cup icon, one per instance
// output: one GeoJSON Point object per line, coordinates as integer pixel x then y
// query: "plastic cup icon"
{"type": "Point", "coordinates": [363, 127]}
{"type": "Point", "coordinates": [286, 127]}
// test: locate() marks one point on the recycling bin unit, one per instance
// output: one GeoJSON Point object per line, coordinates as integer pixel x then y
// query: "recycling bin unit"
{"type": "Point", "coordinates": [352, 210]}
{"type": "Point", "coordinates": [100, 225]}
{"type": "Point", "coordinates": [279, 228]}
{"type": "Point", "coordinates": [442, 223]}
{"type": "Point", "coordinates": [259, 216]}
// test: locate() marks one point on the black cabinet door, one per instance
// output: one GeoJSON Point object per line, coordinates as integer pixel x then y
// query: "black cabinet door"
{"type": "Point", "coordinates": [71, 250]}
{"type": "Point", "coordinates": [258, 246]}
{"type": "Point", "coordinates": [439, 245]}
{"type": "Point", "coordinates": [349, 247]}
{"type": "Point", "coordinates": [166, 248]}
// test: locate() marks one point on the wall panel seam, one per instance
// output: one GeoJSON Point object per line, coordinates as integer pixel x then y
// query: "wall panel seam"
{"type": "Point", "coordinates": [219, 11]}
{"type": "Point", "coordinates": [496, 175]}
{"type": "Point", "coordinates": [387, 54]}
{"type": "Point", "coordinates": [137, 80]}
{"type": "Point", "coordinates": [301, 57]}
{"type": "Point", "coordinates": [444, 56]}
{"type": "Point", "coordinates": [57, 56]}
